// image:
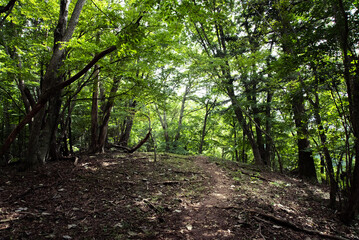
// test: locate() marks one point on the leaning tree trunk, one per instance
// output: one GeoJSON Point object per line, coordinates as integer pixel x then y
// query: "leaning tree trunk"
{"type": "Point", "coordinates": [106, 118]}
{"type": "Point", "coordinates": [246, 131]}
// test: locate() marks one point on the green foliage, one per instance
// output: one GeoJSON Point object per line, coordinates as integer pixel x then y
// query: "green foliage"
{"type": "Point", "coordinates": [282, 50]}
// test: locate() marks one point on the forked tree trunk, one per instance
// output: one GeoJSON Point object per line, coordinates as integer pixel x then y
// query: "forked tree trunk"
{"type": "Point", "coordinates": [44, 128]}
{"type": "Point", "coordinates": [239, 114]}
{"type": "Point", "coordinates": [44, 98]}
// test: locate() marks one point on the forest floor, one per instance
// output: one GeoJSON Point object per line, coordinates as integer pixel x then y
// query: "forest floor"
{"type": "Point", "coordinates": [129, 196]}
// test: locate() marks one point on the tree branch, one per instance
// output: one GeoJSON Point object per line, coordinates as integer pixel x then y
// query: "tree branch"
{"type": "Point", "coordinates": [7, 9]}
{"type": "Point", "coordinates": [141, 142]}
{"type": "Point", "coordinates": [74, 20]}
{"type": "Point", "coordinates": [8, 6]}
{"type": "Point", "coordinates": [46, 96]}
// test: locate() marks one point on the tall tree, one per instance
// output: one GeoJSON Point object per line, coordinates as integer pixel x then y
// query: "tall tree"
{"type": "Point", "coordinates": [215, 31]}
{"type": "Point", "coordinates": [43, 132]}
{"type": "Point", "coordinates": [346, 25]}
{"type": "Point", "coordinates": [288, 41]}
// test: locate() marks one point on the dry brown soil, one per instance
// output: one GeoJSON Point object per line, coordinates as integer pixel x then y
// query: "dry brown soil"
{"type": "Point", "coordinates": [129, 196]}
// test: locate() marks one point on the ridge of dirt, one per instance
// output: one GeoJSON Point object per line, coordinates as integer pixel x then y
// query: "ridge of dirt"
{"type": "Point", "coordinates": [128, 196]}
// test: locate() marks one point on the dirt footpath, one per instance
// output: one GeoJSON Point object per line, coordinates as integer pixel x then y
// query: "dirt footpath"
{"type": "Point", "coordinates": [129, 196]}
{"type": "Point", "coordinates": [207, 218]}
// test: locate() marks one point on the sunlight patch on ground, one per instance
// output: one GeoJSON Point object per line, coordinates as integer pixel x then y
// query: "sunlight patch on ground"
{"type": "Point", "coordinates": [219, 195]}
{"type": "Point", "coordinates": [106, 164]}
{"type": "Point", "coordinates": [87, 167]}
{"type": "Point", "coordinates": [218, 233]}
{"type": "Point", "coordinates": [6, 217]}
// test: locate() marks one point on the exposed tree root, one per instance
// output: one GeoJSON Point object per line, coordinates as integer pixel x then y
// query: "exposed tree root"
{"type": "Point", "coordinates": [286, 223]}
{"type": "Point", "coordinates": [176, 182]}
{"type": "Point", "coordinates": [255, 176]}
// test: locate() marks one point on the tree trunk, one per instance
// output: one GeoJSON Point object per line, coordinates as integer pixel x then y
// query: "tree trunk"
{"type": "Point", "coordinates": [128, 123]}
{"type": "Point", "coordinates": [132, 150]}
{"type": "Point", "coordinates": [178, 133]}
{"type": "Point", "coordinates": [239, 114]}
{"type": "Point", "coordinates": [209, 108]}
{"type": "Point", "coordinates": [43, 132]}
{"type": "Point", "coordinates": [203, 134]}
{"type": "Point", "coordinates": [235, 141]}
{"type": "Point", "coordinates": [6, 126]}
{"type": "Point", "coordinates": [288, 35]}
{"type": "Point", "coordinates": [351, 71]}
{"type": "Point", "coordinates": [323, 139]}
{"type": "Point", "coordinates": [306, 165]}
{"type": "Point", "coordinates": [94, 111]}
{"type": "Point", "coordinates": [44, 98]}
{"type": "Point", "coordinates": [268, 139]}
{"type": "Point", "coordinates": [164, 127]}
{"type": "Point", "coordinates": [106, 117]}
{"type": "Point", "coordinates": [257, 121]}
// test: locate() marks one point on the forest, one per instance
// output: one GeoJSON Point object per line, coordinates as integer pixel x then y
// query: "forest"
{"type": "Point", "coordinates": [270, 83]}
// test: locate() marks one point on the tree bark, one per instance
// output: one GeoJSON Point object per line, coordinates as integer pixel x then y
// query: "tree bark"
{"type": "Point", "coordinates": [203, 134]}
{"type": "Point", "coordinates": [164, 125]}
{"type": "Point", "coordinates": [94, 111]}
{"type": "Point", "coordinates": [269, 142]}
{"type": "Point", "coordinates": [351, 71]}
{"type": "Point", "coordinates": [239, 114]}
{"type": "Point", "coordinates": [306, 165]}
{"type": "Point", "coordinates": [257, 121]}
{"type": "Point", "coordinates": [43, 99]}
{"type": "Point", "coordinates": [8, 6]}
{"type": "Point", "coordinates": [323, 139]}
{"type": "Point", "coordinates": [209, 107]}
{"type": "Point", "coordinates": [106, 118]}
{"type": "Point", "coordinates": [128, 123]}
{"type": "Point", "coordinates": [132, 150]}
{"type": "Point", "coordinates": [43, 132]}
{"type": "Point", "coordinates": [178, 133]}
